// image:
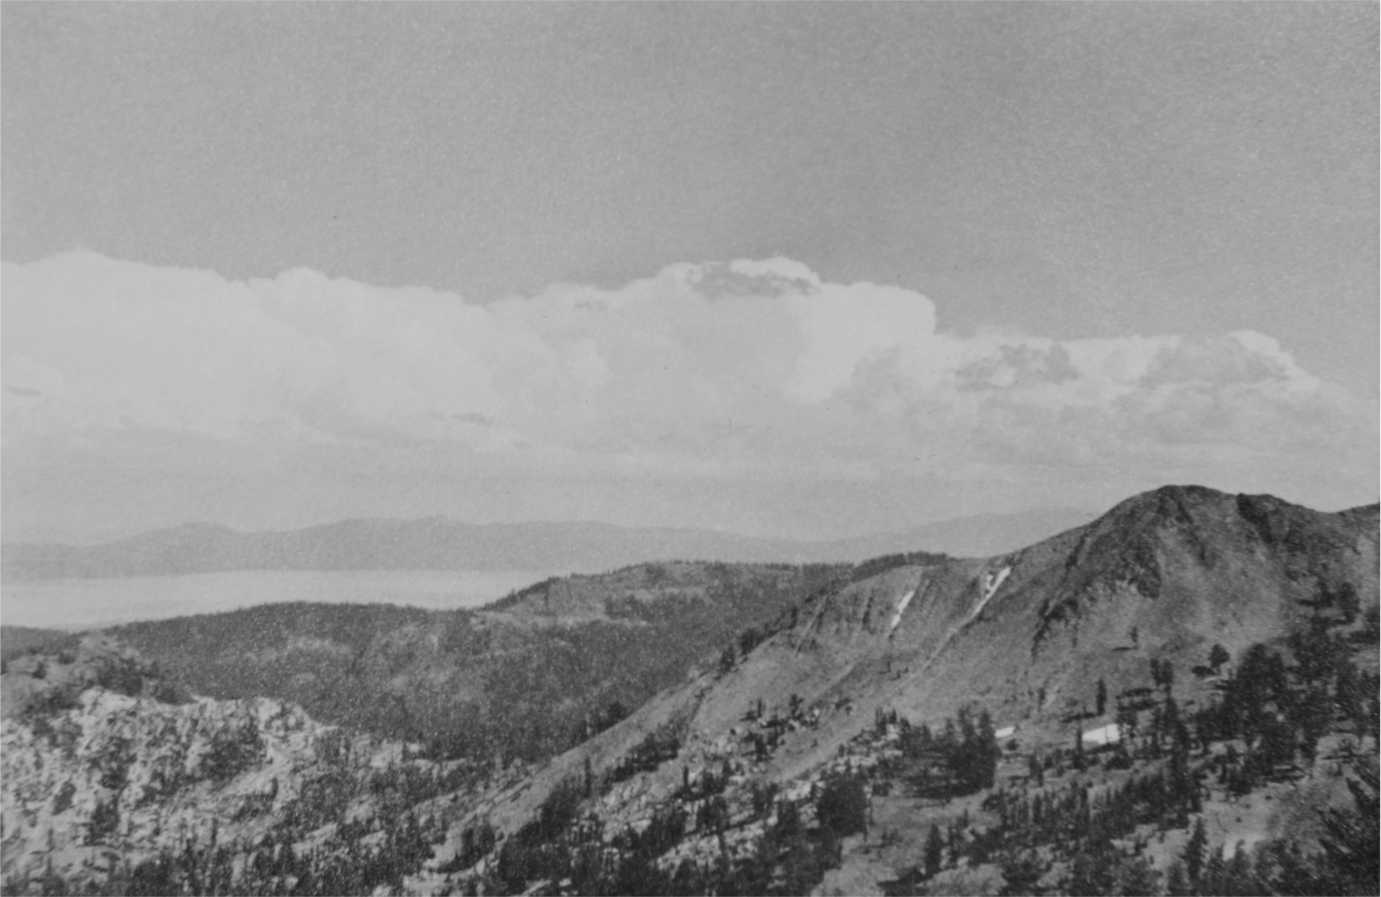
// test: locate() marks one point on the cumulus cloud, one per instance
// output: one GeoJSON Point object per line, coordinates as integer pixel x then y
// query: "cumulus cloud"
{"type": "Point", "coordinates": [721, 370]}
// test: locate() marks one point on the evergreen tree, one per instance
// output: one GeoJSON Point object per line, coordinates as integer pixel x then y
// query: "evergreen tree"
{"type": "Point", "coordinates": [1127, 722]}
{"type": "Point", "coordinates": [1238, 876]}
{"type": "Point", "coordinates": [987, 751]}
{"type": "Point", "coordinates": [1193, 856]}
{"type": "Point", "coordinates": [727, 659]}
{"type": "Point", "coordinates": [1212, 880]}
{"type": "Point", "coordinates": [1350, 691]}
{"type": "Point", "coordinates": [1177, 881]}
{"type": "Point", "coordinates": [1349, 605]}
{"type": "Point", "coordinates": [1314, 650]}
{"type": "Point", "coordinates": [1351, 840]}
{"type": "Point", "coordinates": [1035, 770]}
{"type": "Point", "coordinates": [1091, 874]}
{"type": "Point", "coordinates": [105, 819]}
{"type": "Point", "coordinates": [1136, 877]}
{"type": "Point", "coordinates": [1282, 868]}
{"type": "Point", "coordinates": [1020, 874]}
{"type": "Point", "coordinates": [843, 805]}
{"type": "Point", "coordinates": [934, 852]}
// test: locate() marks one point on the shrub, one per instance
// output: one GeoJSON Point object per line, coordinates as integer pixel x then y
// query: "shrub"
{"type": "Point", "coordinates": [62, 801]}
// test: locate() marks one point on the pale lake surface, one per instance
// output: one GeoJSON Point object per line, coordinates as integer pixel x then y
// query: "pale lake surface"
{"type": "Point", "coordinates": [89, 603]}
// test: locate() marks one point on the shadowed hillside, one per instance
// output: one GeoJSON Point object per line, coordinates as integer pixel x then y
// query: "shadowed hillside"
{"type": "Point", "coordinates": [17, 640]}
{"type": "Point", "coordinates": [526, 677]}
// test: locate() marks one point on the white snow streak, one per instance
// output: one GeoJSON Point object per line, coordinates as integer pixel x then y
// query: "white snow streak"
{"type": "Point", "coordinates": [901, 607]}
{"type": "Point", "coordinates": [991, 584]}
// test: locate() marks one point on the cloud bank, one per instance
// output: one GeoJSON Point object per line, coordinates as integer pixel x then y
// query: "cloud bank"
{"type": "Point", "coordinates": [714, 373]}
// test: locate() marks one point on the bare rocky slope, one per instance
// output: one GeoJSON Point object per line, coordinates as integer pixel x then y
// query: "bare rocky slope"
{"type": "Point", "coordinates": [109, 769]}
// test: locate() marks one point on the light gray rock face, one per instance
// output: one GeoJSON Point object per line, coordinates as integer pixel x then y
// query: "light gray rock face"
{"type": "Point", "coordinates": [93, 780]}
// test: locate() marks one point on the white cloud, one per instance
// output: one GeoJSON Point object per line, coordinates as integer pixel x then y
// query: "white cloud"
{"type": "Point", "coordinates": [728, 370]}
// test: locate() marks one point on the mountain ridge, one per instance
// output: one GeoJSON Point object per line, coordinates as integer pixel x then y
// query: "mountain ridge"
{"type": "Point", "coordinates": [518, 676]}
{"type": "Point", "coordinates": [443, 544]}
{"type": "Point", "coordinates": [1159, 579]}
{"type": "Point", "coordinates": [1074, 705]}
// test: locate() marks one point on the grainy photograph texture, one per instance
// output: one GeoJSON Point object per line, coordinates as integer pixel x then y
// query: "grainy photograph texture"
{"type": "Point", "coordinates": [682, 448]}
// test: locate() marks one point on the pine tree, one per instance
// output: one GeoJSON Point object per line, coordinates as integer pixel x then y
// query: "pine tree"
{"type": "Point", "coordinates": [934, 852]}
{"type": "Point", "coordinates": [1351, 840]}
{"type": "Point", "coordinates": [1091, 874]}
{"type": "Point", "coordinates": [727, 659]}
{"type": "Point", "coordinates": [1213, 878]}
{"type": "Point", "coordinates": [1127, 722]}
{"type": "Point", "coordinates": [1136, 877]}
{"type": "Point", "coordinates": [1193, 855]}
{"type": "Point", "coordinates": [843, 806]}
{"type": "Point", "coordinates": [1238, 875]}
{"type": "Point", "coordinates": [1021, 872]}
{"type": "Point", "coordinates": [1177, 881]}
{"type": "Point", "coordinates": [1035, 771]}
{"type": "Point", "coordinates": [1351, 693]}
{"type": "Point", "coordinates": [1349, 605]}
{"type": "Point", "coordinates": [987, 751]}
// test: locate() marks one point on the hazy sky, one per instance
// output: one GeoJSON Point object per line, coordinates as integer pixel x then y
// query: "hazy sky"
{"type": "Point", "coordinates": [281, 263]}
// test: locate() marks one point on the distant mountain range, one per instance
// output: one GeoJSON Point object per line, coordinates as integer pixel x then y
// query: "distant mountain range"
{"type": "Point", "coordinates": [438, 543]}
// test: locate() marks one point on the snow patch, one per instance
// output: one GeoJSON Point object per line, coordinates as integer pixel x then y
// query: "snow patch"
{"type": "Point", "coordinates": [991, 583]}
{"type": "Point", "coordinates": [901, 608]}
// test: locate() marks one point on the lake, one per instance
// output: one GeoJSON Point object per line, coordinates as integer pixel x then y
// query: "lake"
{"type": "Point", "coordinates": [90, 603]}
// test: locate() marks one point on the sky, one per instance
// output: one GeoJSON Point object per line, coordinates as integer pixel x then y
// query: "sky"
{"type": "Point", "coordinates": [808, 270]}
